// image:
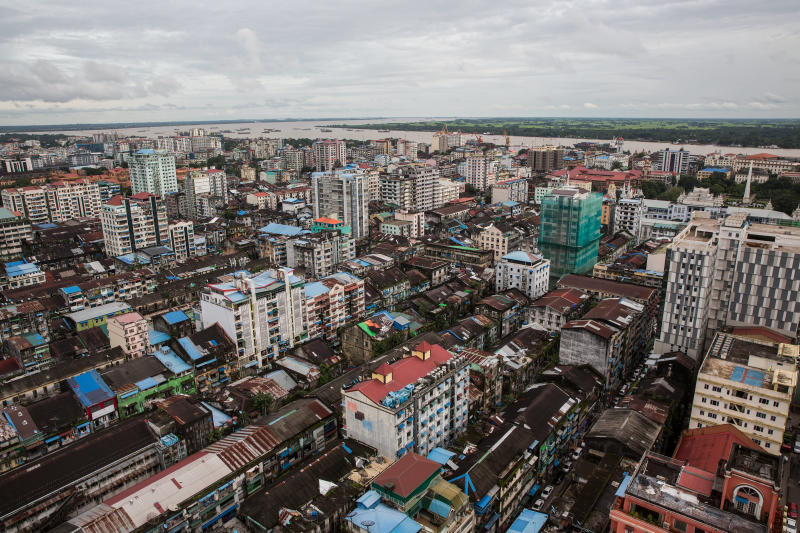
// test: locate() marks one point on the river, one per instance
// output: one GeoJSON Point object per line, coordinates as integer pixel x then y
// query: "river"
{"type": "Point", "coordinates": [311, 129]}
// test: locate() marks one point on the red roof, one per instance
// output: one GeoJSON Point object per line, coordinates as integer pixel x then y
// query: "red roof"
{"type": "Point", "coordinates": [9, 365]}
{"type": "Point", "coordinates": [404, 372]}
{"type": "Point", "coordinates": [327, 220]}
{"type": "Point", "coordinates": [383, 370]}
{"type": "Point", "coordinates": [762, 332]}
{"type": "Point", "coordinates": [142, 195]}
{"type": "Point", "coordinates": [115, 200]}
{"type": "Point", "coordinates": [407, 474]}
{"type": "Point", "coordinates": [696, 480]}
{"type": "Point", "coordinates": [704, 447]}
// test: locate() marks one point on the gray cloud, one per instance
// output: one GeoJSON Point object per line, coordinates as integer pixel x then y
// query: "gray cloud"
{"type": "Point", "coordinates": [183, 60]}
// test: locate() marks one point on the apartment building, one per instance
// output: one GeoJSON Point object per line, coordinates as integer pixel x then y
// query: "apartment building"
{"type": "Point", "coordinates": [329, 154]}
{"type": "Point", "coordinates": [206, 183]}
{"type": "Point", "coordinates": [153, 171]}
{"type": "Point", "coordinates": [55, 202]}
{"type": "Point", "coordinates": [748, 382]}
{"type": "Point", "coordinates": [666, 160]}
{"type": "Point", "coordinates": [129, 331]}
{"type": "Point", "coordinates": [729, 272]}
{"type": "Point", "coordinates": [397, 191]}
{"type": "Point", "coordinates": [500, 238]}
{"type": "Point", "coordinates": [333, 302]}
{"type": "Point", "coordinates": [510, 191]}
{"type": "Point", "coordinates": [319, 253]}
{"type": "Point", "coordinates": [480, 172]}
{"type": "Point", "coordinates": [292, 159]}
{"type": "Point", "coordinates": [525, 271]}
{"type": "Point", "coordinates": [15, 230]}
{"type": "Point", "coordinates": [134, 222]}
{"type": "Point", "coordinates": [557, 307]}
{"type": "Point", "coordinates": [415, 404]}
{"type": "Point", "coordinates": [628, 216]}
{"type": "Point", "coordinates": [447, 191]}
{"type": "Point", "coordinates": [342, 195]}
{"type": "Point", "coordinates": [416, 218]}
{"type": "Point", "coordinates": [181, 238]}
{"type": "Point", "coordinates": [545, 158]}
{"type": "Point", "coordinates": [263, 314]}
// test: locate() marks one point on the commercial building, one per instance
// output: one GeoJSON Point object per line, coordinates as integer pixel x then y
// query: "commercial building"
{"type": "Point", "coordinates": [569, 230]}
{"type": "Point", "coordinates": [129, 331]}
{"type": "Point", "coordinates": [729, 273]}
{"type": "Point", "coordinates": [134, 222]}
{"type": "Point", "coordinates": [414, 404]}
{"type": "Point", "coordinates": [524, 271]}
{"type": "Point", "coordinates": [153, 171]}
{"type": "Point", "coordinates": [342, 195]}
{"type": "Point", "coordinates": [749, 383]}
{"type": "Point", "coordinates": [15, 230]}
{"type": "Point", "coordinates": [510, 191]}
{"type": "Point", "coordinates": [545, 158]}
{"type": "Point", "coordinates": [263, 314]}
{"type": "Point", "coordinates": [329, 154]}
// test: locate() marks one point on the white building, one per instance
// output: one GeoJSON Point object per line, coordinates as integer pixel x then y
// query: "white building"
{"type": "Point", "coordinates": [130, 332]}
{"type": "Point", "coordinates": [134, 222]}
{"type": "Point", "coordinates": [666, 160]}
{"type": "Point", "coordinates": [524, 271]}
{"type": "Point", "coordinates": [510, 191]}
{"type": "Point", "coordinates": [447, 191]}
{"type": "Point", "coordinates": [417, 219]}
{"type": "Point", "coordinates": [153, 171]}
{"type": "Point", "coordinates": [14, 231]}
{"type": "Point", "coordinates": [55, 202]}
{"type": "Point", "coordinates": [415, 404]}
{"type": "Point", "coordinates": [628, 217]}
{"type": "Point", "coordinates": [181, 237]}
{"type": "Point", "coordinates": [342, 195]}
{"type": "Point", "coordinates": [749, 384]}
{"type": "Point", "coordinates": [729, 272]}
{"type": "Point", "coordinates": [204, 183]}
{"type": "Point", "coordinates": [264, 314]}
{"type": "Point", "coordinates": [329, 154]}
{"type": "Point", "coordinates": [480, 172]}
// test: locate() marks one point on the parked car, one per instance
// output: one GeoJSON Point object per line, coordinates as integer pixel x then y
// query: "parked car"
{"type": "Point", "coordinates": [786, 448]}
{"type": "Point", "coordinates": [538, 505]}
{"type": "Point", "coordinates": [791, 525]}
{"type": "Point", "coordinates": [797, 446]}
{"type": "Point", "coordinates": [792, 512]}
{"type": "Point", "coordinates": [577, 453]}
{"type": "Point", "coordinates": [547, 491]}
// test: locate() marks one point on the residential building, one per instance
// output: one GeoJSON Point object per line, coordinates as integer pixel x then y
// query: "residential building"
{"type": "Point", "coordinates": [414, 404]}
{"type": "Point", "coordinates": [500, 238]}
{"type": "Point", "coordinates": [557, 307]}
{"type": "Point", "coordinates": [417, 219]}
{"type": "Point", "coordinates": [545, 158]}
{"type": "Point", "coordinates": [319, 253]}
{"type": "Point", "coordinates": [129, 331]}
{"type": "Point", "coordinates": [344, 196]}
{"type": "Point", "coordinates": [447, 191]}
{"type": "Point", "coordinates": [666, 160]}
{"type": "Point", "coordinates": [515, 190]}
{"type": "Point", "coordinates": [436, 271]}
{"type": "Point", "coordinates": [19, 274]}
{"type": "Point", "coordinates": [524, 271]}
{"type": "Point", "coordinates": [29, 202]}
{"type": "Point", "coordinates": [480, 172]}
{"type": "Point", "coordinates": [628, 215]}
{"type": "Point", "coordinates": [505, 308]}
{"type": "Point", "coordinates": [207, 183]}
{"type": "Point", "coordinates": [134, 222]}
{"type": "Point", "coordinates": [182, 241]}
{"type": "Point", "coordinates": [394, 226]}
{"type": "Point", "coordinates": [262, 314]}
{"type": "Point", "coordinates": [55, 202]}
{"type": "Point", "coordinates": [329, 154]}
{"type": "Point", "coordinates": [729, 273]}
{"type": "Point", "coordinates": [15, 231]}
{"type": "Point", "coordinates": [569, 230]}
{"type": "Point", "coordinates": [749, 383]}
{"type": "Point", "coordinates": [94, 317]}
{"type": "Point", "coordinates": [31, 351]}
{"type": "Point", "coordinates": [153, 171]}
{"type": "Point", "coordinates": [332, 303]}
{"type": "Point", "coordinates": [459, 255]}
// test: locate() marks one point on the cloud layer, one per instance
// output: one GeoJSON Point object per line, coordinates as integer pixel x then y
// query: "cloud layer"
{"type": "Point", "coordinates": [109, 61]}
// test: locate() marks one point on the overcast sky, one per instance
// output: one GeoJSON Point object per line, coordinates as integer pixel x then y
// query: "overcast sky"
{"type": "Point", "coordinates": [80, 62]}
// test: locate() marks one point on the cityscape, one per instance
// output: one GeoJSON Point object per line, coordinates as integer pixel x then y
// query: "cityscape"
{"type": "Point", "coordinates": [340, 313]}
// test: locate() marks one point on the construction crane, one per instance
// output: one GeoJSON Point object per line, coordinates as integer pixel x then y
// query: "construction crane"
{"type": "Point", "coordinates": [508, 139]}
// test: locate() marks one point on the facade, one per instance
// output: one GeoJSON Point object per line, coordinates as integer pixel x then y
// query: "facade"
{"type": "Point", "coordinates": [182, 241]}
{"type": "Point", "coordinates": [15, 230]}
{"type": "Point", "coordinates": [500, 238]}
{"type": "Point", "coordinates": [134, 222]}
{"type": "Point", "coordinates": [749, 384]}
{"type": "Point", "coordinates": [329, 154]}
{"type": "Point", "coordinates": [332, 303]}
{"type": "Point", "coordinates": [394, 226]}
{"type": "Point", "coordinates": [130, 332]}
{"type": "Point", "coordinates": [263, 315]}
{"type": "Point", "coordinates": [557, 307]}
{"type": "Point", "coordinates": [417, 219]}
{"type": "Point", "coordinates": [415, 404]}
{"type": "Point", "coordinates": [31, 351]}
{"type": "Point", "coordinates": [55, 202]}
{"type": "Point", "coordinates": [524, 271]}
{"type": "Point", "coordinates": [628, 217]}
{"type": "Point", "coordinates": [546, 158]}
{"type": "Point", "coordinates": [729, 272]}
{"type": "Point", "coordinates": [397, 191]}
{"type": "Point", "coordinates": [569, 230]}
{"type": "Point", "coordinates": [343, 196]}
{"type": "Point", "coordinates": [480, 172]}
{"type": "Point", "coordinates": [204, 184]}
{"type": "Point", "coordinates": [666, 160]}
{"type": "Point", "coordinates": [153, 171]}
{"type": "Point", "coordinates": [510, 191]}
{"type": "Point", "coordinates": [319, 253]}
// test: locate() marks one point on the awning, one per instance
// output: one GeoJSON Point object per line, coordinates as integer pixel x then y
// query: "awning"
{"type": "Point", "coordinates": [491, 522]}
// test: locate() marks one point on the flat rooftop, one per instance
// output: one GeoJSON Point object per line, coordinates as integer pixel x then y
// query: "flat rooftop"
{"type": "Point", "coordinates": [751, 363]}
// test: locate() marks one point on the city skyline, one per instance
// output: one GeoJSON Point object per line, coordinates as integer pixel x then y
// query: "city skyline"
{"type": "Point", "coordinates": [110, 64]}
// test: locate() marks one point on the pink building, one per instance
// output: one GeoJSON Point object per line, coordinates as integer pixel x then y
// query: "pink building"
{"type": "Point", "coordinates": [130, 332]}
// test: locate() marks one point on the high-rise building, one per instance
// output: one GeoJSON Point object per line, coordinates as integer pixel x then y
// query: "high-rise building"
{"type": "Point", "coordinates": [569, 230]}
{"type": "Point", "coordinates": [263, 314]}
{"type": "Point", "coordinates": [546, 158]}
{"type": "Point", "coordinates": [628, 215]}
{"type": "Point", "coordinates": [729, 273]}
{"type": "Point", "coordinates": [181, 237]}
{"type": "Point", "coordinates": [333, 302]}
{"type": "Point", "coordinates": [414, 404]}
{"type": "Point", "coordinates": [153, 171]}
{"type": "Point", "coordinates": [329, 154]}
{"type": "Point", "coordinates": [55, 202]}
{"type": "Point", "coordinates": [525, 271]}
{"type": "Point", "coordinates": [397, 191]}
{"type": "Point", "coordinates": [320, 252]}
{"type": "Point", "coordinates": [343, 195]}
{"type": "Point", "coordinates": [515, 190]}
{"type": "Point", "coordinates": [134, 222]}
{"type": "Point", "coordinates": [14, 231]}
{"type": "Point", "coordinates": [204, 183]}
{"type": "Point", "coordinates": [480, 172]}
{"type": "Point", "coordinates": [666, 160]}
{"type": "Point", "coordinates": [292, 159]}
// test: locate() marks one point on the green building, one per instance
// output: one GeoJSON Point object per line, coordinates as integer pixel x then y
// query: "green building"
{"type": "Point", "coordinates": [569, 230]}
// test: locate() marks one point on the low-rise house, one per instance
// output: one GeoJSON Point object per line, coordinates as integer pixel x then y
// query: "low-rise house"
{"type": "Point", "coordinates": [507, 308]}
{"type": "Point", "coordinates": [392, 284]}
{"type": "Point", "coordinates": [186, 418]}
{"type": "Point", "coordinates": [436, 271]}
{"type": "Point", "coordinates": [485, 380]}
{"type": "Point", "coordinates": [557, 307]}
{"type": "Point", "coordinates": [30, 350]}
{"type": "Point", "coordinates": [130, 332]}
{"type": "Point", "coordinates": [377, 334]}
{"type": "Point", "coordinates": [476, 331]}
{"type": "Point", "coordinates": [173, 323]}
{"type": "Point", "coordinates": [96, 397]}
{"type": "Point", "coordinates": [95, 316]}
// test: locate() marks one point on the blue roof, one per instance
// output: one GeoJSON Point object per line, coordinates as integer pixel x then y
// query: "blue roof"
{"type": "Point", "coordinates": [90, 389]}
{"type": "Point", "coordinates": [34, 338]}
{"type": "Point", "coordinates": [157, 337]}
{"type": "Point", "coordinates": [439, 507]}
{"type": "Point", "coordinates": [715, 169]}
{"type": "Point", "coordinates": [146, 151]}
{"type": "Point", "coordinates": [283, 229]}
{"type": "Point", "coordinates": [528, 522]}
{"type": "Point", "coordinates": [440, 455]}
{"type": "Point", "coordinates": [170, 359]}
{"type": "Point", "coordinates": [623, 486]}
{"type": "Point", "coordinates": [509, 203]}
{"type": "Point", "coordinates": [146, 383]}
{"type": "Point", "coordinates": [46, 225]}
{"type": "Point", "coordinates": [519, 255]}
{"type": "Point", "coordinates": [315, 288]}
{"type": "Point", "coordinates": [369, 499]}
{"type": "Point", "coordinates": [190, 348]}
{"type": "Point", "coordinates": [174, 317]}
{"type": "Point", "coordinates": [72, 289]}
{"type": "Point", "coordinates": [383, 519]}
{"type": "Point", "coordinates": [220, 418]}
{"type": "Point", "coordinates": [20, 268]}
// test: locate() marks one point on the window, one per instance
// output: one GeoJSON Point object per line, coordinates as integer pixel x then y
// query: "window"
{"type": "Point", "coordinates": [716, 389]}
{"type": "Point", "coordinates": [758, 428]}
{"type": "Point", "coordinates": [714, 403]}
{"type": "Point", "coordinates": [764, 401]}
{"type": "Point", "coordinates": [705, 386]}
{"type": "Point", "coordinates": [703, 399]}
{"type": "Point", "coordinates": [760, 414]}
{"type": "Point", "coordinates": [679, 525]}
{"type": "Point", "coordinates": [776, 404]}
{"type": "Point", "coordinates": [772, 418]}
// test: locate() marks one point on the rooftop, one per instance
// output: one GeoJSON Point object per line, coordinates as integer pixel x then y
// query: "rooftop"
{"type": "Point", "coordinates": [90, 388]}
{"type": "Point", "coordinates": [407, 474]}
{"type": "Point", "coordinates": [704, 447]}
{"type": "Point", "coordinates": [751, 363]}
{"type": "Point", "coordinates": [625, 290]}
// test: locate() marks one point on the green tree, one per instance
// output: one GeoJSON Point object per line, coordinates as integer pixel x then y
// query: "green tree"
{"type": "Point", "coordinates": [671, 194]}
{"type": "Point", "coordinates": [263, 402]}
{"type": "Point", "coordinates": [616, 165]}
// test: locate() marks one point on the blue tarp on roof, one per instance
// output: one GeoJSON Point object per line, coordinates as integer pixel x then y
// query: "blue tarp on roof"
{"type": "Point", "coordinates": [157, 337]}
{"type": "Point", "coordinates": [439, 507]}
{"type": "Point", "coordinates": [20, 268]}
{"type": "Point", "coordinates": [315, 288]}
{"type": "Point", "coordinates": [383, 519]}
{"type": "Point", "coordinates": [190, 349]}
{"type": "Point", "coordinates": [370, 499]}
{"type": "Point", "coordinates": [72, 289]}
{"type": "Point", "coordinates": [220, 418]}
{"type": "Point", "coordinates": [623, 486]}
{"type": "Point", "coordinates": [90, 389]}
{"type": "Point", "coordinates": [170, 359]}
{"type": "Point", "coordinates": [528, 522]}
{"type": "Point", "coordinates": [174, 317]}
{"type": "Point", "coordinates": [146, 383]}
{"type": "Point", "coordinates": [440, 455]}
